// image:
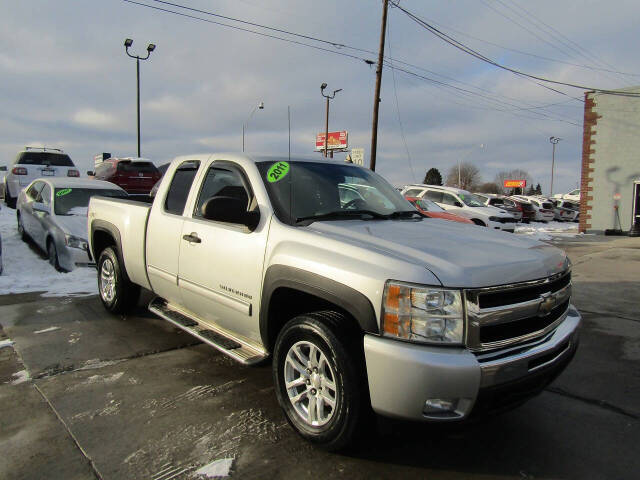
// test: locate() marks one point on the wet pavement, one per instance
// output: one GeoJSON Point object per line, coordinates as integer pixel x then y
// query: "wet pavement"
{"type": "Point", "coordinates": [85, 394]}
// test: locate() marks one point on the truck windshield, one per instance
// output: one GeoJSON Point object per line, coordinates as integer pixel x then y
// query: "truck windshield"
{"type": "Point", "coordinates": [302, 192]}
{"type": "Point", "coordinates": [75, 201]}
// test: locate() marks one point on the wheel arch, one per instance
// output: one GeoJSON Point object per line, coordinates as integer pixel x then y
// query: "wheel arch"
{"type": "Point", "coordinates": [479, 222]}
{"type": "Point", "coordinates": [289, 291]}
{"type": "Point", "coordinates": [105, 234]}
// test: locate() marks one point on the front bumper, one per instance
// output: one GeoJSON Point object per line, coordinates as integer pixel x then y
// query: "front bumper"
{"type": "Point", "coordinates": [403, 376]}
{"type": "Point", "coordinates": [72, 258]}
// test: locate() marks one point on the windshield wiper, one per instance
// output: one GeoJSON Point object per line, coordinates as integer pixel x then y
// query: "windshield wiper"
{"type": "Point", "coordinates": [341, 215]}
{"type": "Point", "coordinates": [404, 214]}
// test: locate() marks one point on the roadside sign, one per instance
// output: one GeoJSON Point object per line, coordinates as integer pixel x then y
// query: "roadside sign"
{"type": "Point", "coordinates": [515, 183]}
{"type": "Point", "coordinates": [357, 156]}
{"type": "Point", "coordinates": [337, 141]}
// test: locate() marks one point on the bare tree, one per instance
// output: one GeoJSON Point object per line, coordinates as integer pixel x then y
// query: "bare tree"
{"type": "Point", "coordinates": [489, 187]}
{"type": "Point", "coordinates": [515, 174]}
{"type": "Point", "coordinates": [469, 176]}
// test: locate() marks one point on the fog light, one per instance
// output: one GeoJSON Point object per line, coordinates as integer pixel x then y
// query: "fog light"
{"type": "Point", "coordinates": [439, 405]}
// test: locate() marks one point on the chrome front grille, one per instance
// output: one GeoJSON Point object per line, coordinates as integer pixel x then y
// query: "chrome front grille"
{"type": "Point", "coordinates": [509, 314]}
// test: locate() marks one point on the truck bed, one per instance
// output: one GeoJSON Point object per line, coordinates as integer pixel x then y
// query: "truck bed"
{"type": "Point", "coordinates": [129, 219]}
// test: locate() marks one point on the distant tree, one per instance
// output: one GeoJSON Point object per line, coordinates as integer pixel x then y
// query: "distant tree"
{"type": "Point", "coordinates": [515, 174]}
{"type": "Point", "coordinates": [433, 177]}
{"type": "Point", "coordinates": [488, 187]}
{"type": "Point", "coordinates": [538, 189]}
{"type": "Point", "coordinates": [531, 190]}
{"type": "Point", "coordinates": [469, 176]}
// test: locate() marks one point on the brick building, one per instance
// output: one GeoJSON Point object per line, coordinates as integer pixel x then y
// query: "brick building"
{"type": "Point", "coordinates": [610, 159]}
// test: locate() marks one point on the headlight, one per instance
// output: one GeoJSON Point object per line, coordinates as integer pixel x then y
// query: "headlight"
{"type": "Point", "coordinates": [422, 314]}
{"type": "Point", "coordinates": [75, 242]}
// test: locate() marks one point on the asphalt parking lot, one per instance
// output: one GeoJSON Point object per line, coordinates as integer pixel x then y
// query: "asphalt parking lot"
{"type": "Point", "coordinates": [84, 394]}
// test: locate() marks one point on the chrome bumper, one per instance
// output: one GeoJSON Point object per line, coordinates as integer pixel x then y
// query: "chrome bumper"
{"type": "Point", "coordinates": [403, 376]}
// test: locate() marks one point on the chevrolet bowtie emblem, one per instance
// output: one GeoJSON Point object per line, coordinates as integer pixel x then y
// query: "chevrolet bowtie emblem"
{"type": "Point", "coordinates": [548, 301]}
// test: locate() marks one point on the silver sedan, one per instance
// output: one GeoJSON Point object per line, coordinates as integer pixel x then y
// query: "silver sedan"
{"type": "Point", "coordinates": [53, 213]}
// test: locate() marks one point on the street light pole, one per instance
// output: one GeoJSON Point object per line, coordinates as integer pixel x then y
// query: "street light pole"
{"type": "Point", "coordinates": [259, 106]}
{"type": "Point", "coordinates": [150, 48]}
{"type": "Point", "coordinates": [326, 118]}
{"type": "Point", "coordinates": [554, 141]}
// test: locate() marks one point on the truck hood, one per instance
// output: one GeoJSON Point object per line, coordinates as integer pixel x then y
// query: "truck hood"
{"type": "Point", "coordinates": [460, 255]}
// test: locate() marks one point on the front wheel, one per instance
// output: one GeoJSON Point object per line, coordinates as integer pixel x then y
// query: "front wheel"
{"type": "Point", "coordinates": [321, 380]}
{"type": "Point", "coordinates": [117, 293]}
{"type": "Point", "coordinates": [21, 230]}
{"type": "Point", "coordinates": [52, 254]}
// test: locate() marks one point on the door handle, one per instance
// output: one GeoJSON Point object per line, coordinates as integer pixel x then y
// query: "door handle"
{"type": "Point", "coordinates": [192, 238]}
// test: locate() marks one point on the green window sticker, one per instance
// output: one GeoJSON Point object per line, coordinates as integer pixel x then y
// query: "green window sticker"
{"type": "Point", "coordinates": [277, 172]}
{"type": "Point", "coordinates": [63, 192]}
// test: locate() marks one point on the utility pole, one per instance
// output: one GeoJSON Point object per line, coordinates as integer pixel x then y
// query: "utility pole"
{"type": "Point", "coordinates": [554, 141]}
{"type": "Point", "coordinates": [376, 97]}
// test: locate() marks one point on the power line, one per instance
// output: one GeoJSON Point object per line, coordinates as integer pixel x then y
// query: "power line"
{"type": "Point", "coordinates": [460, 46]}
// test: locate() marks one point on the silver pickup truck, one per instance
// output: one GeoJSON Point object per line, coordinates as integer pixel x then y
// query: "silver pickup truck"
{"type": "Point", "coordinates": [363, 304]}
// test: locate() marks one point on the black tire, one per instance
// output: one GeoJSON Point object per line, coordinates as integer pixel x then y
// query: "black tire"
{"type": "Point", "coordinates": [9, 200]}
{"type": "Point", "coordinates": [23, 234]}
{"type": "Point", "coordinates": [351, 414]}
{"type": "Point", "coordinates": [52, 255]}
{"type": "Point", "coordinates": [124, 294]}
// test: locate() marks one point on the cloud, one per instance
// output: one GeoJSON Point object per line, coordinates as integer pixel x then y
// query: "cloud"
{"type": "Point", "coordinates": [92, 118]}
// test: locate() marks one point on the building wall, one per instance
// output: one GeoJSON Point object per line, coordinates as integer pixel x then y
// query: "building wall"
{"type": "Point", "coordinates": [610, 160]}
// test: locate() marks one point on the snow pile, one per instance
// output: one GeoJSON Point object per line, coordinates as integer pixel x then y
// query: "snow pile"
{"type": "Point", "coordinates": [217, 469]}
{"type": "Point", "coordinates": [547, 231]}
{"type": "Point", "coordinates": [26, 271]}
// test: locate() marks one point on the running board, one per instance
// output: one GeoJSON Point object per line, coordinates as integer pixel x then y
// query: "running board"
{"type": "Point", "coordinates": [222, 341]}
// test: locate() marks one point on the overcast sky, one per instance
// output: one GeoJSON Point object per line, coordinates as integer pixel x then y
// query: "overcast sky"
{"type": "Point", "coordinates": [66, 81]}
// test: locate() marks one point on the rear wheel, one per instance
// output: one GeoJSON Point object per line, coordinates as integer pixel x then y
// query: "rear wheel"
{"type": "Point", "coordinates": [117, 292]}
{"type": "Point", "coordinates": [321, 380]}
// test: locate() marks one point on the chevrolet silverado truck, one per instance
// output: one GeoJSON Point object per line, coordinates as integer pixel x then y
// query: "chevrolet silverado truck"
{"type": "Point", "coordinates": [362, 304]}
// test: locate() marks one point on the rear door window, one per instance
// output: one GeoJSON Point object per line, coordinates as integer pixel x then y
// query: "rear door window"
{"type": "Point", "coordinates": [414, 192]}
{"type": "Point", "coordinates": [449, 199]}
{"type": "Point", "coordinates": [181, 182]}
{"type": "Point", "coordinates": [45, 195]}
{"type": "Point", "coordinates": [33, 191]}
{"type": "Point", "coordinates": [434, 196]}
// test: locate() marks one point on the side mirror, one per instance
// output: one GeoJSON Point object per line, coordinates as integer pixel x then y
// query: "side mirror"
{"type": "Point", "coordinates": [91, 173]}
{"type": "Point", "coordinates": [41, 207]}
{"type": "Point", "coordinates": [458, 204]}
{"type": "Point", "coordinates": [230, 210]}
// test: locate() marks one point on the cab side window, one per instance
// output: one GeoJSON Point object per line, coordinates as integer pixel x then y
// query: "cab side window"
{"type": "Point", "coordinates": [221, 182]}
{"type": "Point", "coordinates": [181, 183]}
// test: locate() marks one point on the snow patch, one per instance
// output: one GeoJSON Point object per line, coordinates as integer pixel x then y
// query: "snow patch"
{"type": "Point", "coordinates": [97, 363]}
{"type": "Point", "coordinates": [26, 271]}
{"type": "Point", "coordinates": [50, 329]}
{"type": "Point", "coordinates": [217, 468]}
{"type": "Point", "coordinates": [6, 343]}
{"type": "Point", "coordinates": [20, 377]}
{"type": "Point", "coordinates": [548, 231]}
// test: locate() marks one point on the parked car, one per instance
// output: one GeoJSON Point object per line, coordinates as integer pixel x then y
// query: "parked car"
{"type": "Point", "coordinates": [433, 210]}
{"type": "Point", "coordinates": [3, 173]}
{"type": "Point", "coordinates": [542, 207]}
{"type": "Point", "coordinates": [569, 205]}
{"type": "Point", "coordinates": [359, 309]}
{"type": "Point", "coordinates": [53, 213]}
{"type": "Point", "coordinates": [560, 213]}
{"type": "Point", "coordinates": [463, 203]}
{"type": "Point", "coordinates": [573, 195]}
{"type": "Point", "coordinates": [136, 176]}
{"type": "Point", "coordinates": [502, 202]}
{"type": "Point", "coordinates": [528, 212]}
{"type": "Point", "coordinates": [34, 162]}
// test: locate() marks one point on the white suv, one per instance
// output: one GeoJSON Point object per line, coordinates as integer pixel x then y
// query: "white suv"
{"type": "Point", "coordinates": [32, 163]}
{"type": "Point", "coordinates": [542, 206]}
{"type": "Point", "coordinates": [465, 204]}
